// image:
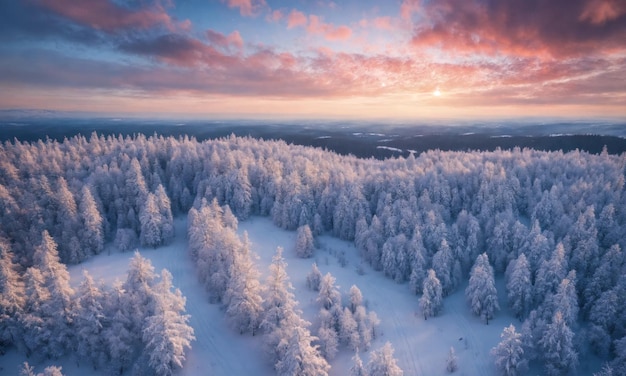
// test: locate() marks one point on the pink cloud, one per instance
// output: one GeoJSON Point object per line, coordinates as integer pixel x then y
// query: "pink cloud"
{"type": "Point", "coordinates": [275, 16]}
{"type": "Point", "coordinates": [108, 16]}
{"type": "Point", "coordinates": [225, 41]}
{"type": "Point", "coordinates": [295, 19]}
{"type": "Point", "coordinates": [408, 7]}
{"type": "Point", "coordinates": [329, 31]}
{"type": "Point", "coordinates": [382, 23]}
{"type": "Point", "coordinates": [247, 8]}
{"type": "Point", "coordinates": [599, 12]}
{"type": "Point", "coordinates": [552, 29]}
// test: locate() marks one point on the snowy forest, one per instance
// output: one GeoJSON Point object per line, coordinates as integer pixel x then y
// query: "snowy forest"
{"type": "Point", "coordinates": [550, 225]}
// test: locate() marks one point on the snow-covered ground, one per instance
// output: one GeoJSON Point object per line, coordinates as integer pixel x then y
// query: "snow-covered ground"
{"type": "Point", "coordinates": [421, 347]}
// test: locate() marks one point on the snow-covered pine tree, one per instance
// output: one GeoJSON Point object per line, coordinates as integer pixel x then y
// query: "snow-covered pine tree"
{"type": "Point", "coordinates": [443, 265]}
{"type": "Point", "coordinates": [329, 342]}
{"type": "Point", "coordinates": [12, 299]}
{"type": "Point", "coordinates": [509, 353]}
{"type": "Point", "coordinates": [519, 287]}
{"type": "Point", "coordinates": [139, 299]}
{"type": "Point", "coordinates": [357, 368]}
{"type": "Point", "coordinates": [92, 229]}
{"type": "Point", "coordinates": [566, 300]}
{"type": "Point", "coordinates": [356, 298]}
{"type": "Point", "coordinates": [550, 273]}
{"type": "Point", "coordinates": [165, 209]}
{"type": "Point", "coordinates": [243, 297]}
{"type": "Point", "coordinates": [314, 278]}
{"type": "Point", "coordinates": [90, 321]}
{"type": "Point", "coordinates": [557, 345]}
{"type": "Point", "coordinates": [481, 292]}
{"type": "Point", "coordinates": [166, 334]}
{"type": "Point", "coordinates": [57, 311]}
{"type": "Point", "coordinates": [304, 242]}
{"type": "Point", "coordinates": [329, 296]}
{"type": "Point", "coordinates": [349, 330]}
{"type": "Point", "coordinates": [451, 361]}
{"type": "Point", "coordinates": [382, 362]}
{"type": "Point", "coordinates": [151, 223]}
{"type": "Point", "coordinates": [431, 300]}
{"type": "Point", "coordinates": [300, 356]}
{"type": "Point", "coordinates": [418, 263]}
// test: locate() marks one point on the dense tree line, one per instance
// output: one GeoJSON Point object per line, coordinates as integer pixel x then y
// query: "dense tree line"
{"type": "Point", "coordinates": [551, 222]}
{"type": "Point", "coordinates": [138, 323]}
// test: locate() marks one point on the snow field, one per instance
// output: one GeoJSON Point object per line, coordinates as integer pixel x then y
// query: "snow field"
{"type": "Point", "coordinates": [421, 346]}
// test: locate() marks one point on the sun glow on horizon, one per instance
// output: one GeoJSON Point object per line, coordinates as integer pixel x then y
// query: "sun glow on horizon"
{"type": "Point", "coordinates": [437, 92]}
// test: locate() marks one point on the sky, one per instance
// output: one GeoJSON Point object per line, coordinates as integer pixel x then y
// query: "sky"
{"type": "Point", "coordinates": [409, 59]}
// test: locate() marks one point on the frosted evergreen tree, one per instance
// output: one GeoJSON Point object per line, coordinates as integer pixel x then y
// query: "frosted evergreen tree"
{"type": "Point", "coordinates": [603, 320]}
{"type": "Point", "coordinates": [27, 370]}
{"type": "Point", "coordinates": [566, 300]}
{"type": "Point", "coordinates": [244, 302]}
{"type": "Point", "coordinates": [329, 342]}
{"type": "Point", "coordinates": [118, 336]}
{"type": "Point", "coordinates": [619, 363]}
{"type": "Point", "coordinates": [329, 296]}
{"type": "Point", "coordinates": [519, 287]}
{"type": "Point", "coordinates": [279, 306]}
{"type": "Point", "coordinates": [92, 230]}
{"type": "Point", "coordinates": [349, 330]}
{"type": "Point", "coordinates": [125, 239]}
{"type": "Point", "coordinates": [451, 361]}
{"type": "Point", "coordinates": [165, 209]}
{"type": "Point", "coordinates": [67, 224]}
{"type": "Point", "coordinates": [151, 223]}
{"type": "Point", "coordinates": [166, 334]}
{"type": "Point", "coordinates": [431, 300]}
{"type": "Point", "coordinates": [606, 370]}
{"type": "Point", "coordinates": [608, 228]}
{"type": "Point", "coordinates": [90, 321]}
{"type": "Point", "coordinates": [357, 368]}
{"type": "Point", "coordinates": [139, 301]}
{"type": "Point", "coordinates": [229, 219]}
{"type": "Point", "coordinates": [382, 362]}
{"type": "Point", "coordinates": [58, 310]}
{"type": "Point", "coordinates": [481, 292]}
{"type": "Point", "coordinates": [356, 298]}
{"type": "Point", "coordinates": [301, 357]}
{"type": "Point", "coordinates": [417, 261]}
{"type": "Point", "coordinates": [12, 299]}
{"type": "Point", "coordinates": [509, 353]}
{"type": "Point", "coordinates": [550, 273]}
{"type": "Point", "coordinates": [314, 278]}
{"type": "Point", "coordinates": [605, 276]}
{"type": "Point", "coordinates": [557, 345]}
{"type": "Point", "coordinates": [34, 320]}
{"type": "Point", "coordinates": [584, 244]}
{"type": "Point", "coordinates": [304, 242]}
{"type": "Point", "coordinates": [443, 265]}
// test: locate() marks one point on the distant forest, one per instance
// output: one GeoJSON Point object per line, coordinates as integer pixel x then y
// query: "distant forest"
{"type": "Point", "coordinates": [551, 222]}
